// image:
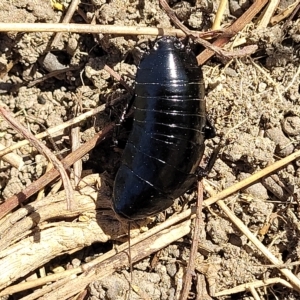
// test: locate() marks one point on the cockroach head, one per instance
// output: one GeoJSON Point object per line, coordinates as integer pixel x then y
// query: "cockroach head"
{"type": "Point", "coordinates": [169, 43]}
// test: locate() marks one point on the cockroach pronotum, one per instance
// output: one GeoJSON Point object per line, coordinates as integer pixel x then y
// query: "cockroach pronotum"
{"type": "Point", "coordinates": [160, 160]}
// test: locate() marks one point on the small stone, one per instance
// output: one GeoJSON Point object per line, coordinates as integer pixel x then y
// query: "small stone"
{"type": "Point", "coordinates": [182, 10]}
{"type": "Point", "coordinates": [51, 63]}
{"type": "Point", "coordinates": [230, 72]}
{"type": "Point", "coordinates": [262, 87]}
{"type": "Point", "coordinates": [72, 46]}
{"type": "Point", "coordinates": [257, 190]}
{"type": "Point", "coordinates": [76, 262]}
{"type": "Point", "coordinates": [291, 125]}
{"type": "Point", "coordinates": [271, 185]}
{"type": "Point", "coordinates": [284, 146]}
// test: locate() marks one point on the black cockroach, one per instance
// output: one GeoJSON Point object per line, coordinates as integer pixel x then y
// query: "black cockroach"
{"type": "Point", "coordinates": [166, 144]}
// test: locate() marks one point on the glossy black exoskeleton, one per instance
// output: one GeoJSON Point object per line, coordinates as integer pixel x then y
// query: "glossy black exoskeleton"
{"type": "Point", "coordinates": [166, 144]}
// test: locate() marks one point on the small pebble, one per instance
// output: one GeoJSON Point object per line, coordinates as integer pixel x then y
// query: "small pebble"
{"type": "Point", "coordinates": [235, 8]}
{"type": "Point", "coordinates": [51, 63]}
{"type": "Point", "coordinates": [41, 99]}
{"type": "Point", "coordinates": [291, 125]}
{"type": "Point", "coordinates": [235, 240]}
{"type": "Point", "coordinates": [171, 269]}
{"type": "Point", "coordinates": [271, 185]}
{"type": "Point", "coordinates": [284, 146]}
{"type": "Point", "coordinates": [230, 72]}
{"type": "Point", "coordinates": [262, 87]}
{"type": "Point", "coordinates": [72, 46]}
{"type": "Point", "coordinates": [257, 190]}
{"type": "Point", "coordinates": [76, 262]}
{"type": "Point", "coordinates": [182, 10]}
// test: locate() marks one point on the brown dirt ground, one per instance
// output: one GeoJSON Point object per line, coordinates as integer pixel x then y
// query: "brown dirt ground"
{"type": "Point", "coordinates": [252, 102]}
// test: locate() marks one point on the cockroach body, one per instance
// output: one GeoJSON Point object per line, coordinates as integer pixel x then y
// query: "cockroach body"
{"type": "Point", "coordinates": [166, 144]}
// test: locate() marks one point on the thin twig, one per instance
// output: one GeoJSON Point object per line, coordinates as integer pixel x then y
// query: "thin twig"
{"type": "Point", "coordinates": [190, 270]}
{"type": "Point", "coordinates": [254, 284]}
{"type": "Point", "coordinates": [214, 48]}
{"type": "Point", "coordinates": [101, 259]}
{"type": "Point", "coordinates": [220, 12]}
{"type": "Point", "coordinates": [269, 11]}
{"type": "Point", "coordinates": [254, 293]}
{"type": "Point", "coordinates": [289, 11]}
{"type": "Point", "coordinates": [13, 159]}
{"type": "Point", "coordinates": [53, 130]}
{"type": "Point", "coordinates": [77, 166]}
{"type": "Point", "coordinates": [88, 28]}
{"type": "Point", "coordinates": [255, 241]}
{"type": "Point", "coordinates": [252, 179]}
{"type": "Point", "coordinates": [117, 77]}
{"type": "Point", "coordinates": [52, 74]}
{"type": "Point", "coordinates": [15, 200]}
{"type": "Point", "coordinates": [67, 18]}
{"type": "Point", "coordinates": [237, 26]}
{"type": "Point", "coordinates": [104, 29]}
{"type": "Point", "coordinates": [43, 150]}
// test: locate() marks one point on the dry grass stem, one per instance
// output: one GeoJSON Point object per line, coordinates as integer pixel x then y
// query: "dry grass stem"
{"type": "Point", "coordinates": [15, 200]}
{"type": "Point", "coordinates": [244, 229]}
{"type": "Point", "coordinates": [256, 284]}
{"type": "Point", "coordinates": [219, 15]}
{"type": "Point", "coordinates": [57, 129]}
{"type": "Point", "coordinates": [13, 159]}
{"type": "Point", "coordinates": [50, 75]}
{"type": "Point", "coordinates": [269, 12]}
{"type": "Point", "coordinates": [115, 75]}
{"type": "Point", "coordinates": [237, 26]}
{"type": "Point", "coordinates": [160, 236]}
{"type": "Point", "coordinates": [285, 13]}
{"type": "Point", "coordinates": [295, 77]}
{"type": "Point", "coordinates": [77, 166]}
{"type": "Point", "coordinates": [254, 293]}
{"type": "Point", "coordinates": [47, 289]}
{"type": "Point", "coordinates": [195, 242]}
{"type": "Point", "coordinates": [87, 28]}
{"type": "Point", "coordinates": [43, 150]}
{"type": "Point", "coordinates": [67, 18]}
{"type": "Point", "coordinates": [252, 179]}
